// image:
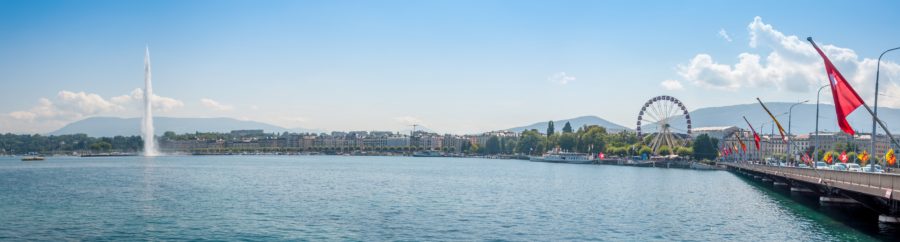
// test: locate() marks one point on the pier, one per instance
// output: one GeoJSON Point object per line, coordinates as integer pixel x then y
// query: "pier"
{"type": "Point", "coordinates": [876, 191]}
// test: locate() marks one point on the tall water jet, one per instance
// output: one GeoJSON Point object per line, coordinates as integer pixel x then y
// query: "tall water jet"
{"type": "Point", "coordinates": [147, 127]}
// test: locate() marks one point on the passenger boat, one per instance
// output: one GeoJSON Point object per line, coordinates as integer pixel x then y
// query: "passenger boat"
{"type": "Point", "coordinates": [428, 153]}
{"type": "Point", "coordinates": [559, 156]}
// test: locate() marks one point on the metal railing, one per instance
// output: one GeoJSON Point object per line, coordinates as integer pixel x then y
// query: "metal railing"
{"type": "Point", "coordinates": [882, 181]}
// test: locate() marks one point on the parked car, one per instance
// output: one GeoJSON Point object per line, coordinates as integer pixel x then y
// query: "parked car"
{"type": "Point", "coordinates": [854, 167]}
{"type": "Point", "coordinates": [803, 166]}
{"type": "Point", "coordinates": [821, 165]}
{"type": "Point", "coordinates": [839, 167]}
{"type": "Point", "coordinates": [871, 170]}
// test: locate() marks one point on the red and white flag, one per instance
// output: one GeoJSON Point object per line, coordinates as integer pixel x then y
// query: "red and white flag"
{"type": "Point", "coordinates": [845, 98]}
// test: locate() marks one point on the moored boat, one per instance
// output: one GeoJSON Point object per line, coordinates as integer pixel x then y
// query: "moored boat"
{"type": "Point", "coordinates": [33, 158]}
{"type": "Point", "coordinates": [559, 156]}
{"type": "Point", "coordinates": [428, 153]}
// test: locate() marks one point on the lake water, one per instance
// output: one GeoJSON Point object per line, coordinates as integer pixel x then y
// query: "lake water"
{"type": "Point", "coordinates": [394, 198]}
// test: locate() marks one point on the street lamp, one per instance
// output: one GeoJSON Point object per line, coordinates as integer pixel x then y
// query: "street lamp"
{"type": "Point", "coordinates": [816, 148]}
{"type": "Point", "coordinates": [875, 112]}
{"type": "Point", "coordinates": [791, 138]}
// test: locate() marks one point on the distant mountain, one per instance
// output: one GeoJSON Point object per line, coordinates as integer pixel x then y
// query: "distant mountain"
{"type": "Point", "coordinates": [802, 122]}
{"type": "Point", "coordinates": [575, 122]}
{"type": "Point", "coordinates": [111, 126]}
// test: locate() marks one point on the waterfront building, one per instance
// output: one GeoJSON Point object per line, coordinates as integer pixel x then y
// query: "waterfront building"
{"type": "Point", "coordinates": [249, 132]}
{"type": "Point", "coordinates": [719, 133]}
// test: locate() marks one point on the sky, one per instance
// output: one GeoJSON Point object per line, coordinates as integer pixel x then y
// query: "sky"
{"type": "Point", "coordinates": [453, 66]}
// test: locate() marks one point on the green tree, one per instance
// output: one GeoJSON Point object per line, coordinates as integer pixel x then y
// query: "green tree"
{"type": "Point", "coordinates": [550, 129]}
{"type": "Point", "coordinates": [474, 149]}
{"type": "Point", "coordinates": [567, 141]}
{"type": "Point", "coordinates": [492, 146]}
{"type": "Point", "coordinates": [684, 151]}
{"type": "Point", "coordinates": [101, 146]}
{"type": "Point", "coordinates": [664, 150]}
{"type": "Point", "coordinates": [465, 146]}
{"type": "Point", "coordinates": [567, 128]}
{"type": "Point", "coordinates": [705, 148]}
{"type": "Point", "coordinates": [169, 135]}
{"type": "Point", "coordinates": [591, 139]}
{"type": "Point", "coordinates": [644, 150]}
{"type": "Point", "coordinates": [530, 142]}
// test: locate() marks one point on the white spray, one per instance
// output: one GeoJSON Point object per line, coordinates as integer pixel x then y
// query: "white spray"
{"type": "Point", "coordinates": [147, 127]}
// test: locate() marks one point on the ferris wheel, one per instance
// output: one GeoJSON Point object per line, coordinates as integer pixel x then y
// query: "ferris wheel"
{"type": "Point", "coordinates": [666, 118]}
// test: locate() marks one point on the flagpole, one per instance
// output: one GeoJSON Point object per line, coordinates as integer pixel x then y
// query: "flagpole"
{"type": "Point", "coordinates": [790, 136]}
{"type": "Point", "coordinates": [875, 112]}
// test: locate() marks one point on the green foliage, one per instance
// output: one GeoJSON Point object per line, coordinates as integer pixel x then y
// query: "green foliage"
{"type": "Point", "coordinates": [591, 139]}
{"type": "Point", "coordinates": [705, 148]}
{"type": "Point", "coordinates": [645, 150]}
{"type": "Point", "coordinates": [684, 151]}
{"type": "Point", "coordinates": [664, 150]}
{"type": "Point", "coordinates": [550, 129]}
{"type": "Point", "coordinates": [22, 144]}
{"type": "Point", "coordinates": [101, 146]}
{"type": "Point", "coordinates": [567, 141]}
{"type": "Point", "coordinates": [567, 128]}
{"type": "Point", "coordinates": [492, 146]}
{"type": "Point", "coordinates": [530, 142]}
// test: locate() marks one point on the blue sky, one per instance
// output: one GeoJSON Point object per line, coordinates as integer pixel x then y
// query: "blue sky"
{"type": "Point", "coordinates": [453, 66]}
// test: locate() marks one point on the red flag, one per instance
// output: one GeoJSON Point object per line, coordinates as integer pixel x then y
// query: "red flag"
{"type": "Point", "coordinates": [845, 98]}
{"type": "Point", "coordinates": [602, 155]}
{"type": "Point", "coordinates": [755, 136]}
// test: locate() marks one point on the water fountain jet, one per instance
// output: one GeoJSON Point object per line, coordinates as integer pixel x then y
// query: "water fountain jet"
{"type": "Point", "coordinates": [147, 124]}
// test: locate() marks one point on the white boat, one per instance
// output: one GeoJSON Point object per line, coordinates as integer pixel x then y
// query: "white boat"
{"type": "Point", "coordinates": [33, 158]}
{"type": "Point", "coordinates": [558, 156]}
{"type": "Point", "coordinates": [428, 153]}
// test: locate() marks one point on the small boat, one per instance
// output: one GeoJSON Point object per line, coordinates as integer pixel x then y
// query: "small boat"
{"type": "Point", "coordinates": [558, 156]}
{"type": "Point", "coordinates": [33, 158]}
{"type": "Point", "coordinates": [428, 153]}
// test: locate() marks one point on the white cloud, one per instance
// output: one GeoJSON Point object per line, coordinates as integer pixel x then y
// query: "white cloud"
{"type": "Point", "coordinates": [23, 115]}
{"type": "Point", "coordinates": [724, 35]}
{"type": "Point", "coordinates": [561, 78]}
{"type": "Point", "coordinates": [70, 106]}
{"type": "Point", "coordinates": [85, 103]}
{"type": "Point", "coordinates": [786, 63]}
{"type": "Point", "coordinates": [214, 105]}
{"type": "Point", "coordinates": [136, 97]}
{"type": "Point", "coordinates": [408, 120]}
{"type": "Point", "coordinates": [672, 85]}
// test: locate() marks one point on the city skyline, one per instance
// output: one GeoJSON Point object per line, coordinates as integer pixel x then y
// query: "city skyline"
{"type": "Point", "coordinates": [454, 67]}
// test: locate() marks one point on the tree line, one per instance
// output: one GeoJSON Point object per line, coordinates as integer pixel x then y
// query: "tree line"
{"type": "Point", "coordinates": [57, 144]}
{"type": "Point", "coordinates": [590, 139]}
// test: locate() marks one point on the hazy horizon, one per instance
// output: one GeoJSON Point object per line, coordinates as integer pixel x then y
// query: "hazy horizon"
{"type": "Point", "coordinates": [454, 66]}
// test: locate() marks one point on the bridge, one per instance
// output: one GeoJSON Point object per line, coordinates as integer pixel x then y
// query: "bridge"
{"type": "Point", "coordinates": [877, 191]}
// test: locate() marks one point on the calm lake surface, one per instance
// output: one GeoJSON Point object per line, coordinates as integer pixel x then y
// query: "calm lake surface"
{"type": "Point", "coordinates": [395, 198]}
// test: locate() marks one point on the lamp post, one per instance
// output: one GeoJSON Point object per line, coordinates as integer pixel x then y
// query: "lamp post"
{"type": "Point", "coordinates": [790, 137]}
{"type": "Point", "coordinates": [761, 154]}
{"type": "Point", "coordinates": [875, 111]}
{"type": "Point", "coordinates": [816, 148]}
